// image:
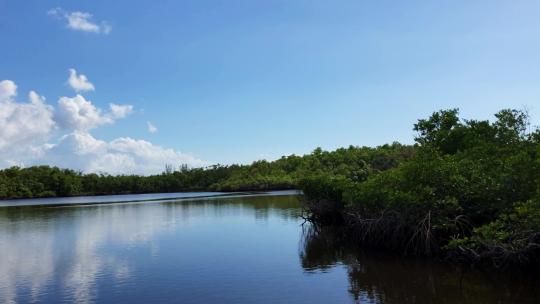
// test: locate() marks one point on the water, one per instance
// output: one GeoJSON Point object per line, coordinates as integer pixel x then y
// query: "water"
{"type": "Point", "coordinates": [80, 200]}
{"type": "Point", "coordinates": [242, 249]}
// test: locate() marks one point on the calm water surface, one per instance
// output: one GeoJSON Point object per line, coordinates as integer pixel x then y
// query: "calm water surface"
{"type": "Point", "coordinates": [99, 199]}
{"type": "Point", "coordinates": [215, 250]}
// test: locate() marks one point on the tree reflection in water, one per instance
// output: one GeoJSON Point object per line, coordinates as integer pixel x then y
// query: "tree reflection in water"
{"type": "Point", "coordinates": [378, 277]}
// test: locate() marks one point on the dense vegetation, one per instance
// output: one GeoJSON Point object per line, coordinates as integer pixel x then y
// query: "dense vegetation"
{"type": "Point", "coordinates": [355, 163]}
{"type": "Point", "coordinates": [470, 192]}
{"type": "Point", "coordinates": [467, 189]}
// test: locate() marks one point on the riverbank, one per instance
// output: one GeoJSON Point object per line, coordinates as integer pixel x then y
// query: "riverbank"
{"type": "Point", "coordinates": [470, 194]}
{"type": "Point", "coordinates": [467, 189]}
{"type": "Point", "coordinates": [134, 198]}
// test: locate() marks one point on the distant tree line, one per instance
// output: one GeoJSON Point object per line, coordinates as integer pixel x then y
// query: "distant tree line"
{"type": "Point", "coordinates": [355, 163]}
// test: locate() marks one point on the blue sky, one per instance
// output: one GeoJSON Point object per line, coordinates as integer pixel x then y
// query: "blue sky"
{"type": "Point", "coordinates": [236, 81]}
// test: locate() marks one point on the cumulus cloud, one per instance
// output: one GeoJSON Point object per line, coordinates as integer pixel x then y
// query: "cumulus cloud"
{"type": "Point", "coordinates": [80, 82]}
{"type": "Point", "coordinates": [81, 21]}
{"type": "Point", "coordinates": [151, 127]}
{"type": "Point", "coordinates": [8, 90]}
{"type": "Point", "coordinates": [27, 129]}
{"type": "Point", "coordinates": [80, 150]}
{"type": "Point", "coordinates": [120, 111]}
{"type": "Point", "coordinates": [80, 114]}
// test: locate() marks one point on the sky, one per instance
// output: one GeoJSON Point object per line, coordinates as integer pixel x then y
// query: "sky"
{"type": "Point", "coordinates": [125, 87]}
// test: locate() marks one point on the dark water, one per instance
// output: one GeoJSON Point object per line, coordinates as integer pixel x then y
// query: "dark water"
{"type": "Point", "coordinates": [215, 250]}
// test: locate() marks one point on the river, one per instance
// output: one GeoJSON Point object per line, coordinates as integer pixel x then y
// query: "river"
{"type": "Point", "coordinates": [222, 249]}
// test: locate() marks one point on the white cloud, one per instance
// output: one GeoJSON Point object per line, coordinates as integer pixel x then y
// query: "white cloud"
{"type": "Point", "coordinates": [120, 111]}
{"type": "Point", "coordinates": [81, 21]}
{"type": "Point", "coordinates": [81, 151]}
{"type": "Point", "coordinates": [77, 113]}
{"type": "Point", "coordinates": [151, 127]}
{"type": "Point", "coordinates": [8, 90]}
{"type": "Point", "coordinates": [27, 129]}
{"type": "Point", "coordinates": [80, 82]}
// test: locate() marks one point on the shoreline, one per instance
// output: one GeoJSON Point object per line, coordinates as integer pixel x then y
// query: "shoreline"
{"type": "Point", "coordinates": [72, 200]}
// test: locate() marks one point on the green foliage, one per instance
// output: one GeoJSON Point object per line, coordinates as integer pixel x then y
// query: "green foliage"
{"type": "Point", "coordinates": [462, 187]}
{"type": "Point", "coordinates": [327, 187]}
{"type": "Point", "coordinates": [512, 238]}
{"type": "Point", "coordinates": [352, 163]}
